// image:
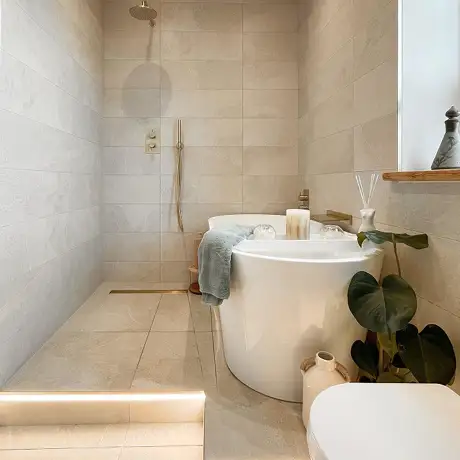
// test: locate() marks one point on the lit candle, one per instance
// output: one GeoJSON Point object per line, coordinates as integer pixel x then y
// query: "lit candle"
{"type": "Point", "coordinates": [298, 224]}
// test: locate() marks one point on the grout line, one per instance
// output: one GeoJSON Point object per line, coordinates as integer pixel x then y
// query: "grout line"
{"type": "Point", "coordinates": [214, 351]}
{"type": "Point", "coordinates": [34, 120]}
{"type": "Point", "coordinates": [75, 99]}
{"type": "Point", "coordinates": [145, 343]}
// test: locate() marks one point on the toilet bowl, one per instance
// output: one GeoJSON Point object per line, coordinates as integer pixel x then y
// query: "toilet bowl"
{"type": "Point", "coordinates": [362, 421]}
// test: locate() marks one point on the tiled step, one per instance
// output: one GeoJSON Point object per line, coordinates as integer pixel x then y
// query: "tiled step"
{"type": "Point", "coordinates": [161, 441]}
{"type": "Point", "coordinates": [79, 408]}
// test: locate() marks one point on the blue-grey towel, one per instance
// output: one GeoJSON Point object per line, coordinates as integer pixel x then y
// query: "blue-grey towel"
{"type": "Point", "coordinates": [214, 262]}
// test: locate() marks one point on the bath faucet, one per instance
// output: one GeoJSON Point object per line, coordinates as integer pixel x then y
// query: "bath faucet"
{"type": "Point", "coordinates": [331, 217]}
{"type": "Point", "coordinates": [304, 199]}
{"type": "Point", "coordinates": [342, 220]}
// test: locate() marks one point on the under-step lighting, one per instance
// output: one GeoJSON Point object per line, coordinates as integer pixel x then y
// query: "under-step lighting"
{"type": "Point", "coordinates": [95, 397]}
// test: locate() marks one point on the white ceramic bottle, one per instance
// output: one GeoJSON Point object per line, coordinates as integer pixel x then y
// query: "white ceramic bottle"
{"type": "Point", "coordinates": [367, 220]}
{"type": "Point", "coordinates": [320, 373]}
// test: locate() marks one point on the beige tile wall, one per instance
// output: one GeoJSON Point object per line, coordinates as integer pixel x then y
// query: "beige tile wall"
{"type": "Point", "coordinates": [348, 122]}
{"type": "Point", "coordinates": [229, 70]}
{"type": "Point", "coordinates": [50, 111]}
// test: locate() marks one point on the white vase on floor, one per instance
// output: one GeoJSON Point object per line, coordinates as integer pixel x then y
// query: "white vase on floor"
{"type": "Point", "coordinates": [320, 373]}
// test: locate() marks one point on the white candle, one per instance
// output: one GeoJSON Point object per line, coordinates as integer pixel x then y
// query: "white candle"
{"type": "Point", "coordinates": [298, 224]}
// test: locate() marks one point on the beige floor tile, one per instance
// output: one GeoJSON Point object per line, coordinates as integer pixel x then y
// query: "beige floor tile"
{"type": "Point", "coordinates": [62, 437]}
{"type": "Point", "coordinates": [170, 374]}
{"type": "Point", "coordinates": [165, 434]}
{"type": "Point", "coordinates": [82, 361]}
{"type": "Point", "coordinates": [62, 454]}
{"type": "Point", "coordinates": [201, 314]}
{"type": "Point", "coordinates": [270, 430]}
{"type": "Point", "coordinates": [173, 314]}
{"type": "Point", "coordinates": [162, 453]}
{"type": "Point", "coordinates": [118, 312]}
{"type": "Point", "coordinates": [170, 360]}
{"type": "Point", "coordinates": [171, 345]}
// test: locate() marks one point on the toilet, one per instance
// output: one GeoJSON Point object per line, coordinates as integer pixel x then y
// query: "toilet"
{"type": "Point", "coordinates": [363, 421]}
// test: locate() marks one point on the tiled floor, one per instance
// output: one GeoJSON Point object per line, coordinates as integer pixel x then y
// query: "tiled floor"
{"type": "Point", "coordinates": [168, 441]}
{"type": "Point", "coordinates": [169, 341]}
{"type": "Point", "coordinates": [123, 341]}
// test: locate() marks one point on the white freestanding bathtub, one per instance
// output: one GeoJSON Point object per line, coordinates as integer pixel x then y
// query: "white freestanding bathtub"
{"type": "Point", "coordinates": [288, 301]}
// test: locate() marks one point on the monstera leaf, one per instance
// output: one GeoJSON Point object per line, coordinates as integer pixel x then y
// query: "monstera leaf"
{"type": "Point", "coordinates": [388, 377]}
{"type": "Point", "coordinates": [414, 241]}
{"type": "Point", "coordinates": [387, 308]}
{"type": "Point", "coordinates": [429, 355]}
{"type": "Point", "coordinates": [366, 357]}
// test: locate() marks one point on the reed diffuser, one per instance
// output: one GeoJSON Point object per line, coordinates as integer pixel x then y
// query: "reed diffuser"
{"type": "Point", "coordinates": [367, 213]}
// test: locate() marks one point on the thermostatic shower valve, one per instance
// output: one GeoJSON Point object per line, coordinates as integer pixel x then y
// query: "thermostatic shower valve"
{"type": "Point", "coordinates": [150, 142]}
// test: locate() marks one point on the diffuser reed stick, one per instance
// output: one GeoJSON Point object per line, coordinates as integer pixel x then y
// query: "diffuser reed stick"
{"type": "Point", "coordinates": [373, 184]}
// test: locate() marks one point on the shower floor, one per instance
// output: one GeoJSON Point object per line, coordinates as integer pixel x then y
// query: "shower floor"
{"type": "Point", "coordinates": [144, 341]}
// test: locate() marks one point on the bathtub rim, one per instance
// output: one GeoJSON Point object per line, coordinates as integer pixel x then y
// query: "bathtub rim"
{"type": "Point", "coordinates": [368, 254]}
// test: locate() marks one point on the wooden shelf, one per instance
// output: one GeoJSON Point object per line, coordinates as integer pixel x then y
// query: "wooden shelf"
{"type": "Point", "coordinates": [439, 175]}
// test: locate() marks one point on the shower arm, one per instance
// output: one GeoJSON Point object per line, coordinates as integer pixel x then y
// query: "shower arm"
{"type": "Point", "coordinates": [178, 176]}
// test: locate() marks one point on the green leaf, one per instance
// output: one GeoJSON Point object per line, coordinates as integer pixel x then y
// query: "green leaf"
{"type": "Point", "coordinates": [419, 241]}
{"type": "Point", "coordinates": [388, 343]}
{"type": "Point", "coordinates": [387, 308]}
{"type": "Point", "coordinates": [366, 357]}
{"type": "Point", "coordinates": [398, 362]}
{"type": "Point", "coordinates": [388, 377]}
{"type": "Point", "coordinates": [429, 355]}
{"type": "Point", "coordinates": [361, 238]}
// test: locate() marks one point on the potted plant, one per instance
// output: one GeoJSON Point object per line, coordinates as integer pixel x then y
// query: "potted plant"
{"type": "Point", "coordinates": [397, 352]}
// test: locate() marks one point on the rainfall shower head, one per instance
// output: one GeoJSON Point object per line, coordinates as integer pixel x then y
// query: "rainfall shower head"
{"type": "Point", "coordinates": [143, 12]}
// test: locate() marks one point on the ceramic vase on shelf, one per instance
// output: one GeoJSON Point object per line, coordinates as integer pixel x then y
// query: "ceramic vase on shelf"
{"type": "Point", "coordinates": [367, 220]}
{"type": "Point", "coordinates": [448, 156]}
{"type": "Point", "coordinates": [320, 373]}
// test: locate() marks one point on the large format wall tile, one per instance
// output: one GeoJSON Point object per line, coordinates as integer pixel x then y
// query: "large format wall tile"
{"type": "Point", "coordinates": [201, 46]}
{"type": "Point", "coordinates": [270, 161]}
{"type": "Point", "coordinates": [270, 18]}
{"type": "Point", "coordinates": [131, 189]}
{"type": "Point", "coordinates": [131, 247]}
{"type": "Point", "coordinates": [126, 44]}
{"type": "Point", "coordinates": [132, 74]}
{"type": "Point", "coordinates": [201, 103]}
{"type": "Point", "coordinates": [127, 132]}
{"type": "Point", "coordinates": [202, 132]}
{"type": "Point", "coordinates": [269, 132]}
{"type": "Point", "coordinates": [270, 104]}
{"type": "Point", "coordinates": [201, 17]}
{"type": "Point", "coordinates": [136, 103]}
{"type": "Point", "coordinates": [270, 75]}
{"type": "Point", "coordinates": [281, 47]}
{"type": "Point", "coordinates": [50, 108]}
{"type": "Point", "coordinates": [195, 75]}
